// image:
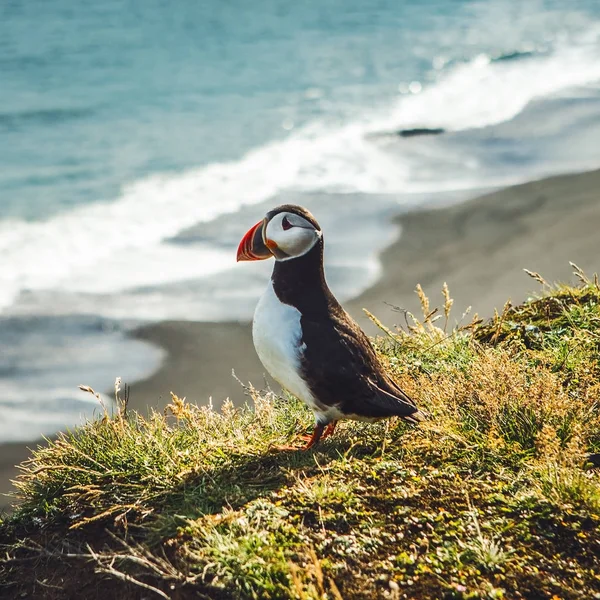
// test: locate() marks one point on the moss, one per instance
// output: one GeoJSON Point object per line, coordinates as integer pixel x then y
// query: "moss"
{"type": "Point", "coordinates": [487, 499]}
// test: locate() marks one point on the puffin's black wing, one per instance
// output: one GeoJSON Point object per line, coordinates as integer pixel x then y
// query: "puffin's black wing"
{"type": "Point", "coordinates": [341, 368]}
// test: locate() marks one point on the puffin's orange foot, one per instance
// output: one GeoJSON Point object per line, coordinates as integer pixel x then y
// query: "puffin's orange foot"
{"type": "Point", "coordinates": [311, 440]}
{"type": "Point", "coordinates": [314, 439]}
{"type": "Point", "coordinates": [329, 430]}
{"type": "Point", "coordinates": [308, 443]}
{"type": "Point", "coordinates": [295, 443]}
{"type": "Point", "coordinates": [286, 447]}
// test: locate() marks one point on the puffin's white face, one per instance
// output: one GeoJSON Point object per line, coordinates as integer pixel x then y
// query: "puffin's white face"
{"type": "Point", "coordinates": [289, 235]}
{"type": "Point", "coordinates": [283, 233]}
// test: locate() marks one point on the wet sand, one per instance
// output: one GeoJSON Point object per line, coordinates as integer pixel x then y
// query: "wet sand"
{"type": "Point", "coordinates": [479, 248]}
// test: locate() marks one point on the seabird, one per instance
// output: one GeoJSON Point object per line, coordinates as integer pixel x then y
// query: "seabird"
{"type": "Point", "coordinates": [305, 339]}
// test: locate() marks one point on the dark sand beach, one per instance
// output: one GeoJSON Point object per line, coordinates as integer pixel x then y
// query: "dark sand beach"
{"type": "Point", "coordinates": [479, 248]}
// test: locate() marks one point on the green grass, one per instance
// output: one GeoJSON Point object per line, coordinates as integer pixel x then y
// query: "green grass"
{"type": "Point", "coordinates": [489, 498]}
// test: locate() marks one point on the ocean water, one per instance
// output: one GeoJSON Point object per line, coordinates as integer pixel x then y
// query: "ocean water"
{"type": "Point", "coordinates": [138, 142]}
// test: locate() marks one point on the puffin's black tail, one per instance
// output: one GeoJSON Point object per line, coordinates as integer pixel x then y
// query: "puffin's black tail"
{"type": "Point", "coordinates": [394, 404]}
{"type": "Point", "coordinates": [416, 417]}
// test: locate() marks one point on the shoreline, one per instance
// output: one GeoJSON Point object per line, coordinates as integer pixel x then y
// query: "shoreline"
{"type": "Point", "coordinates": [479, 247]}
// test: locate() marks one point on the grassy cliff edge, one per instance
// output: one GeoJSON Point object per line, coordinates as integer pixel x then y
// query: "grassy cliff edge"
{"type": "Point", "coordinates": [490, 498]}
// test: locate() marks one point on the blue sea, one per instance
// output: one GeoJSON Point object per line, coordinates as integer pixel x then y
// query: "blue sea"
{"type": "Point", "coordinates": [139, 141]}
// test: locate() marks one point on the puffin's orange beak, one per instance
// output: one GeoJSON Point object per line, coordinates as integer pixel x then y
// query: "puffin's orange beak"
{"type": "Point", "coordinates": [252, 246]}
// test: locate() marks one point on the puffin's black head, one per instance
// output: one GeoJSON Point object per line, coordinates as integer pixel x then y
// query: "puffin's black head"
{"type": "Point", "coordinates": [287, 232]}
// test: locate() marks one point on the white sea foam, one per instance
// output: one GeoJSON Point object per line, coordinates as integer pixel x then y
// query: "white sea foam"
{"type": "Point", "coordinates": [485, 92]}
{"type": "Point", "coordinates": [22, 421]}
{"type": "Point", "coordinates": [116, 246]}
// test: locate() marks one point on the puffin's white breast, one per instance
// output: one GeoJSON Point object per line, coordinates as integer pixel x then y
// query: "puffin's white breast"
{"type": "Point", "coordinates": [277, 335]}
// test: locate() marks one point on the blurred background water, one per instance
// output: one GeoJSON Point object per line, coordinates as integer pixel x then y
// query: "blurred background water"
{"type": "Point", "coordinates": [138, 142]}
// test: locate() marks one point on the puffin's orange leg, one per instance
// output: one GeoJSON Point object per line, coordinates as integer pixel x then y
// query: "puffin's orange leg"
{"type": "Point", "coordinates": [316, 436]}
{"type": "Point", "coordinates": [329, 429]}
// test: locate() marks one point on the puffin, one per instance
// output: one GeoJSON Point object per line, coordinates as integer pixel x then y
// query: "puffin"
{"type": "Point", "coordinates": [304, 338]}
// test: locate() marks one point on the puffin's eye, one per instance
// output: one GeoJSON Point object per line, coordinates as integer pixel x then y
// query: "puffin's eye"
{"type": "Point", "coordinates": [286, 224]}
